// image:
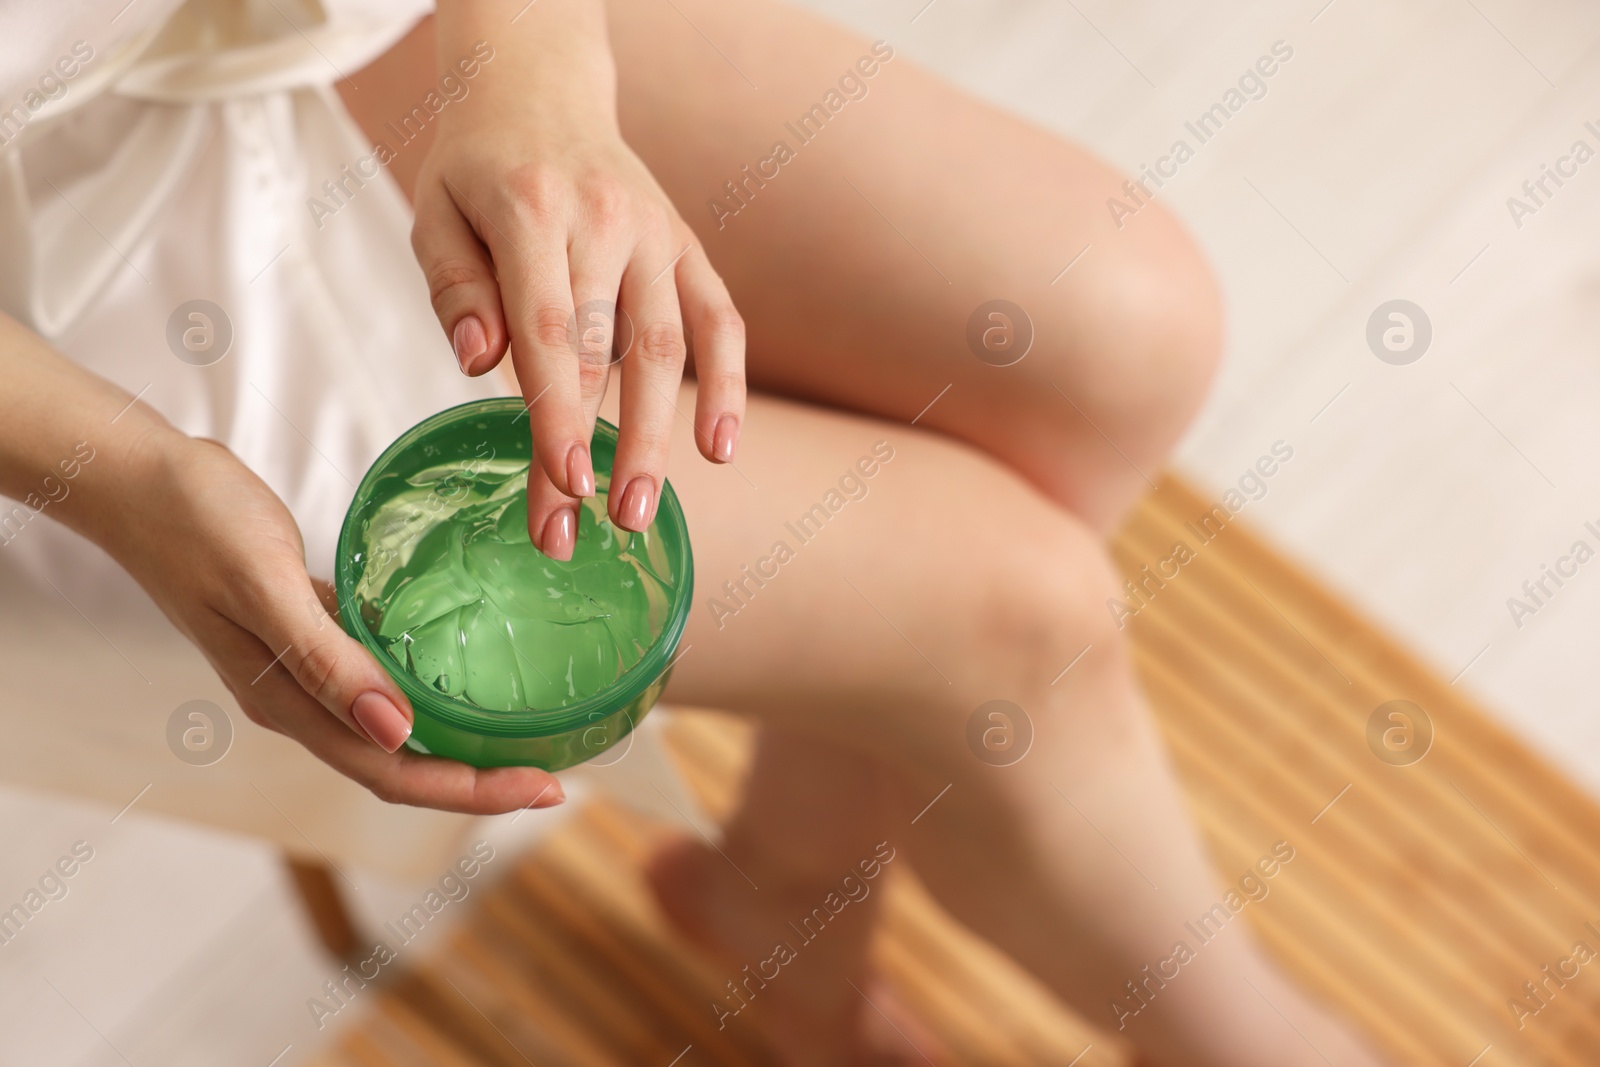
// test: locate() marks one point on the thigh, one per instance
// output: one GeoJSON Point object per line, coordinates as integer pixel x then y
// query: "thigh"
{"type": "Point", "coordinates": [859, 243]}
{"type": "Point", "coordinates": [844, 587]}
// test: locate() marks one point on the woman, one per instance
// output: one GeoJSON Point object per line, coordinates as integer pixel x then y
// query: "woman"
{"type": "Point", "coordinates": [760, 194]}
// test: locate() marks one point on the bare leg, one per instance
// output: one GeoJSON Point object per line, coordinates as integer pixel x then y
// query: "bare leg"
{"type": "Point", "coordinates": [881, 635]}
{"type": "Point", "coordinates": [814, 813]}
{"type": "Point", "coordinates": [831, 265]}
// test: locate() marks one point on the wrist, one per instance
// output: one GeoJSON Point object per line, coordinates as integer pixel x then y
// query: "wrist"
{"type": "Point", "coordinates": [549, 68]}
{"type": "Point", "coordinates": [117, 474]}
{"type": "Point", "coordinates": [73, 447]}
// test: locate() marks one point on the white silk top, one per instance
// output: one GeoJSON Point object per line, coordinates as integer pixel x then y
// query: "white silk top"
{"type": "Point", "coordinates": [154, 154]}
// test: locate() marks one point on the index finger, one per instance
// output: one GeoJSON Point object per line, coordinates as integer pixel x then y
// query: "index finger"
{"type": "Point", "coordinates": [536, 292]}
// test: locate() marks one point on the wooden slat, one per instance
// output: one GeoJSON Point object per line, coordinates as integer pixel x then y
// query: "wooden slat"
{"type": "Point", "coordinates": [918, 940]}
{"type": "Point", "coordinates": [1416, 905]}
{"type": "Point", "coordinates": [1447, 952]}
{"type": "Point", "coordinates": [1413, 904]}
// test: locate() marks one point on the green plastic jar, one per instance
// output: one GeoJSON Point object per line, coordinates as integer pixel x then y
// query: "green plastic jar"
{"type": "Point", "coordinates": [460, 476]}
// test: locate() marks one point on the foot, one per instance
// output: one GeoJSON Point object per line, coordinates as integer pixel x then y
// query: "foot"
{"type": "Point", "coordinates": [813, 1015]}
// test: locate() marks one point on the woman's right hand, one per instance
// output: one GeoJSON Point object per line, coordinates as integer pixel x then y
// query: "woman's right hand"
{"type": "Point", "coordinates": [544, 236]}
{"type": "Point", "coordinates": [222, 556]}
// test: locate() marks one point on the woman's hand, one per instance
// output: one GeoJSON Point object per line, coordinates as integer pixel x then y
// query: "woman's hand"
{"type": "Point", "coordinates": [541, 232]}
{"type": "Point", "coordinates": [221, 555]}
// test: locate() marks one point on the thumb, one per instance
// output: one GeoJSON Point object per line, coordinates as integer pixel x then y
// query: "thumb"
{"type": "Point", "coordinates": [330, 665]}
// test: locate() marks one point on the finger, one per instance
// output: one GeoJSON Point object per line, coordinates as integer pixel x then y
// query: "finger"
{"type": "Point", "coordinates": [537, 292]}
{"type": "Point", "coordinates": [651, 372]}
{"type": "Point", "coordinates": [716, 339]}
{"type": "Point", "coordinates": [332, 668]}
{"type": "Point", "coordinates": [411, 778]}
{"type": "Point", "coordinates": [597, 257]}
{"type": "Point", "coordinates": [404, 777]}
{"type": "Point", "coordinates": [279, 703]}
{"type": "Point", "coordinates": [461, 281]}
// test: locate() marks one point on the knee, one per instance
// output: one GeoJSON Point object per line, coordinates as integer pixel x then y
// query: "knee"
{"type": "Point", "coordinates": [1047, 667]}
{"type": "Point", "coordinates": [1122, 359]}
{"type": "Point", "coordinates": [1042, 637]}
{"type": "Point", "coordinates": [1146, 325]}
{"type": "Point", "coordinates": [1045, 605]}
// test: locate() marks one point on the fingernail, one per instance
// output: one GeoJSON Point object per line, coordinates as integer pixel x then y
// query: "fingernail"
{"type": "Point", "coordinates": [470, 342]}
{"type": "Point", "coordinates": [580, 472]}
{"type": "Point", "coordinates": [636, 503]}
{"type": "Point", "coordinates": [384, 723]}
{"type": "Point", "coordinates": [552, 795]}
{"type": "Point", "coordinates": [560, 534]}
{"type": "Point", "coordinates": [722, 441]}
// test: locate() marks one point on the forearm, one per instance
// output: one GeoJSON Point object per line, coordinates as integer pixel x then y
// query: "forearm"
{"type": "Point", "coordinates": [552, 64]}
{"type": "Point", "coordinates": [72, 445]}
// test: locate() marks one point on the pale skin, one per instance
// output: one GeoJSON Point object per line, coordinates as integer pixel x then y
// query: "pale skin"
{"type": "Point", "coordinates": [972, 569]}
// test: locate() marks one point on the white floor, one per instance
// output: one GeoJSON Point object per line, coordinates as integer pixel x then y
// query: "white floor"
{"type": "Point", "coordinates": [180, 946]}
{"type": "Point", "coordinates": [1377, 166]}
{"type": "Point", "coordinates": [196, 920]}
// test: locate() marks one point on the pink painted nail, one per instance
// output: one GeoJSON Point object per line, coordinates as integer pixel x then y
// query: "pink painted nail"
{"type": "Point", "coordinates": [560, 534]}
{"type": "Point", "coordinates": [580, 472]}
{"type": "Point", "coordinates": [384, 723]}
{"type": "Point", "coordinates": [470, 342]}
{"type": "Point", "coordinates": [638, 502]}
{"type": "Point", "coordinates": [723, 440]}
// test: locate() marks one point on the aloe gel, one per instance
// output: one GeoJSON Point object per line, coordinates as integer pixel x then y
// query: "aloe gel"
{"type": "Point", "coordinates": [507, 655]}
{"type": "Point", "coordinates": [476, 612]}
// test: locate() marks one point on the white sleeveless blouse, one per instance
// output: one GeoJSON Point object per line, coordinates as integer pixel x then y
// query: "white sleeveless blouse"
{"type": "Point", "coordinates": [154, 154]}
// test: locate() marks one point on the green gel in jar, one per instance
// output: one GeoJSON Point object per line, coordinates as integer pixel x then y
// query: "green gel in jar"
{"type": "Point", "coordinates": [508, 657]}
{"type": "Point", "coordinates": [476, 612]}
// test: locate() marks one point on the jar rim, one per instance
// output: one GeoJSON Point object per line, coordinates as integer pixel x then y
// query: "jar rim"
{"type": "Point", "coordinates": [461, 714]}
